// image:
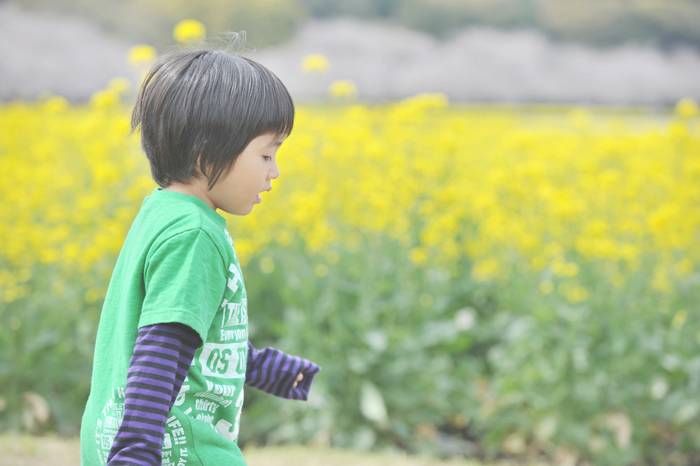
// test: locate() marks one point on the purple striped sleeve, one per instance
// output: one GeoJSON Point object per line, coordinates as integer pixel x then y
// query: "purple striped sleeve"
{"type": "Point", "coordinates": [162, 357]}
{"type": "Point", "coordinates": [275, 372]}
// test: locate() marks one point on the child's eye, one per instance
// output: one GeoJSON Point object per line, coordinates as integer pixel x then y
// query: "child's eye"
{"type": "Point", "coordinates": [267, 158]}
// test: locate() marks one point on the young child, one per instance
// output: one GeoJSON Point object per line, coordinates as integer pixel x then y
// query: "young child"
{"type": "Point", "coordinates": [172, 352]}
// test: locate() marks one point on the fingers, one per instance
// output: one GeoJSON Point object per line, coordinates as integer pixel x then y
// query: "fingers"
{"type": "Point", "coordinates": [299, 379]}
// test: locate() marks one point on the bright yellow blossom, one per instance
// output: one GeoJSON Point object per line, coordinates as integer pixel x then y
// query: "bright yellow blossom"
{"type": "Point", "coordinates": [687, 108]}
{"type": "Point", "coordinates": [342, 88]}
{"type": "Point", "coordinates": [119, 85]}
{"type": "Point", "coordinates": [477, 190]}
{"type": "Point", "coordinates": [141, 55]}
{"type": "Point", "coordinates": [315, 63]}
{"type": "Point", "coordinates": [679, 319]}
{"type": "Point", "coordinates": [267, 265]}
{"type": "Point", "coordinates": [189, 31]}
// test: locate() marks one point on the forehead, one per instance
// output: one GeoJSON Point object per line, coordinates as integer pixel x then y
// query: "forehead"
{"type": "Point", "coordinates": [267, 141]}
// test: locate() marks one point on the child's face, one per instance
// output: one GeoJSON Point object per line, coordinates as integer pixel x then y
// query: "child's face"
{"type": "Point", "coordinates": [250, 175]}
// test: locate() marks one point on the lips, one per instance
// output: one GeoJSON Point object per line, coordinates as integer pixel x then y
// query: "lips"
{"type": "Point", "coordinates": [258, 199]}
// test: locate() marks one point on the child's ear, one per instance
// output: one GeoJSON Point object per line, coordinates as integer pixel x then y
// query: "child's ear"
{"type": "Point", "coordinates": [199, 163]}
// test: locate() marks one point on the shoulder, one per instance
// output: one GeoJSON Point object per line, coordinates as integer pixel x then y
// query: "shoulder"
{"type": "Point", "coordinates": [172, 221]}
{"type": "Point", "coordinates": [180, 225]}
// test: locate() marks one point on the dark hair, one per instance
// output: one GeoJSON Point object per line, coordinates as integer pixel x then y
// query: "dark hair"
{"type": "Point", "coordinates": [208, 104]}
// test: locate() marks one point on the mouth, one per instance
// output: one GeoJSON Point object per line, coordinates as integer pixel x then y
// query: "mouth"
{"type": "Point", "coordinates": [258, 199]}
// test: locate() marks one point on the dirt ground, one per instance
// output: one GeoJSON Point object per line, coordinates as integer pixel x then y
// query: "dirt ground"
{"type": "Point", "coordinates": [23, 450]}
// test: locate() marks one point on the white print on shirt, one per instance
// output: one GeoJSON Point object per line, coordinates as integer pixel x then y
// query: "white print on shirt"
{"type": "Point", "coordinates": [224, 360]}
{"type": "Point", "coordinates": [183, 391]}
{"type": "Point", "coordinates": [168, 459]}
{"type": "Point", "coordinates": [235, 313]}
{"type": "Point", "coordinates": [219, 389]}
{"type": "Point", "coordinates": [207, 406]}
{"type": "Point", "coordinates": [223, 427]}
{"type": "Point", "coordinates": [170, 444]}
{"type": "Point", "coordinates": [237, 277]}
{"type": "Point", "coordinates": [238, 334]}
{"type": "Point", "coordinates": [219, 399]}
{"type": "Point", "coordinates": [177, 432]}
{"type": "Point", "coordinates": [107, 426]}
{"type": "Point", "coordinates": [204, 405]}
{"type": "Point", "coordinates": [219, 394]}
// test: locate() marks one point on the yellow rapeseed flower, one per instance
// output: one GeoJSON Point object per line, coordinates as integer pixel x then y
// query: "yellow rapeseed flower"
{"type": "Point", "coordinates": [119, 85]}
{"type": "Point", "coordinates": [332, 257]}
{"type": "Point", "coordinates": [427, 100]}
{"type": "Point", "coordinates": [573, 292]}
{"type": "Point", "coordinates": [684, 267]}
{"type": "Point", "coordinates": [486, 269]}
{"type": "Point", "coordinates": [267, 265]}
{"type": "Point", "coordinates": [321, 270]}
{"type": "Point", "coordinates": [105, 99]}
{"type": "Point", "coordinates": [342, 88]}
{"type": "Point", "coordinates": [687, 108]}
{"type": "Point", "coordinates": [565, 269]}
{"type": "Point", "coordinates": [679, 319]}
{"type": "Point", "coordinates": [660, 280]}
{"type": "Point", "coordinates": [56, 104]}
{"type": "Point", "coordinates": [189, 31]}
{"type": "Point", "coordinates": [15, 322]}
{"type": "Point", "coordinates": [546, 287]}
{"type": "Point", "coordinates": [92, 295]}
{"type": "Point", "coordinates": [315, 63]}
{"type": "Point", "coordinates": [141, 55]}
{"type": "Point", "coordinates": [448, 185]}
{"type": "Point", "coordinates": [419, 256]}
{"type": "Point", "coordinates": [617, 280]}
{"type": "Point", "coordinates": [581, 117]}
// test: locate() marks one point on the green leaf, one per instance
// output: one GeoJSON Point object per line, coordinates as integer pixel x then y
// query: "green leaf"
{"type": "Point", "coordinates": [372, 403]}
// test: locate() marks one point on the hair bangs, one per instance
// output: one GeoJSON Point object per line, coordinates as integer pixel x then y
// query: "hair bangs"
{"type": "Point", "coordinates": [250, 102]}
{"type": "Point", "coordinates": [274, 105]}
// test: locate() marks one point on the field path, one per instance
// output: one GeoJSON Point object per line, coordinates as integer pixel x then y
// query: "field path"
{"type": "Point", "coordinates": [24, 450]}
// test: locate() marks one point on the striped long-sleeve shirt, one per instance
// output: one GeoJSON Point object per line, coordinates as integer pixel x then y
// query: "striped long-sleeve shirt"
{"type": "Point", "coordinates": [275, 372]}
{"type": "Point", "coordinates": [162, 356]}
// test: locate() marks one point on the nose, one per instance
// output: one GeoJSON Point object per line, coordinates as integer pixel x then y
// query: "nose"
{"type": "Point", "coordinates": [274, 172]}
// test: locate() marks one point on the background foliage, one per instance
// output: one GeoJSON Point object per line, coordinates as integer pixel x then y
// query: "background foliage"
{"type": "Point", "coordinates": [473, 280]}
{"type": "Point", "coordinates": [664, 23]}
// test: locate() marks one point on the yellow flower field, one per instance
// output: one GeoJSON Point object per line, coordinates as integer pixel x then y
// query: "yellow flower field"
{"type": "Point", "coordinates": [548, 190]}
{"type": "Point", "coordinates": [490, 255]}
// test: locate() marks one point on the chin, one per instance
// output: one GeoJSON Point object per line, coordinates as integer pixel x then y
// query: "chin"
{"type": "Point", "coordinates": [242, 212]}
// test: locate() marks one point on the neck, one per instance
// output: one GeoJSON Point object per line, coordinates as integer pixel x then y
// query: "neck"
{"type": "Point", "coordinates": [191, 190]}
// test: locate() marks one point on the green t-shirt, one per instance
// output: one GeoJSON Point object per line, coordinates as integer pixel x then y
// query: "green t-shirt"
{"type": "Point", "coordinates": [177, 264]}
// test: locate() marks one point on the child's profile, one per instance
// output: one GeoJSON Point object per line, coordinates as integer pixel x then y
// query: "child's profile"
{"type": "Point", "coordinates": [172, 354]}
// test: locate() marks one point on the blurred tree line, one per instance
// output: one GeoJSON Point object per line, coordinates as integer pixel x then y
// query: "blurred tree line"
{"type": "Point", "coordinates": [601, 23]}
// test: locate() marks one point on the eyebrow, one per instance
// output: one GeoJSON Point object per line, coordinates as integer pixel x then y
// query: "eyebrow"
{"type": "Point", "coordinates": [275, 143]}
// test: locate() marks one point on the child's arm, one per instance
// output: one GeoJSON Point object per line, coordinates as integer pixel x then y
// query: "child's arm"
{"type": "Point", "coordinates": [278, 373]}
{"type": "Point", "coordinates": [162, 357]}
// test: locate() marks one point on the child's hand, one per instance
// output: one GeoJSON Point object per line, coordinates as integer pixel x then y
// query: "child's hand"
{"type": "Point", "coordinates": [299, 379]}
